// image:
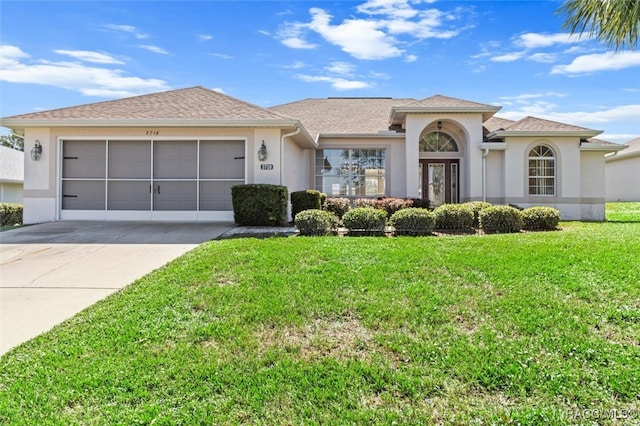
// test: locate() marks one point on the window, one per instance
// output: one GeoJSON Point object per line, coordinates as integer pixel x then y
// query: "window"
{"type": "Point", "coordinates": [438, 142]}
{"type": "Point", "coordinates": [542, 171]}
{"type": "Point", "coordinates": [351, 172]}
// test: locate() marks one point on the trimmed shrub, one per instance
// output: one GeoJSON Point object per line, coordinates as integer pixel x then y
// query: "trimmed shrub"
{"type": "Point", "coordinates": [259, 204]}
{"type": "Point", "coordinates": [540, 218]}
{"type": "Point", "coordinates": [392, 205]}
{"type": "Point", "coordinates": [453, 217]}
{"type": "Point", "coordinates": [365, 221]}
{"type": "Point", "coordinates": [305, 200]}
{"type": "Point", "coordinates": [501, 219]}
{"type": "Point", "coordinates": [412, 221]}
{"type": "Point", "coordinates": [337, 206]}
{"type": "Point", "coordinates": [422, 203]}
{"type": "Point", "coordinates": [366, 202]}
{"type": "Point", "coordinates": [476, 207]}
{"type": "Point", "coordinates": [316, 222]}
{"type": "Point", "coordinates": [10, 214]}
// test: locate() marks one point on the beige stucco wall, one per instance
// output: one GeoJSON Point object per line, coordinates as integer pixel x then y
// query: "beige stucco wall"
{"type": "Point", "coordinates": [466, 129]}
{"type": "Point", "coordinates": [495, 177]}
{"type": "Point", "coordinates": [10, 192]}
{"type": "Point", "coordinates": [622, 178]}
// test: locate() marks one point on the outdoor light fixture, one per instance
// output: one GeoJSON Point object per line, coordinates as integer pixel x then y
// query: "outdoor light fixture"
{"type": "Point", "coordinates": [262, 152]}
{"type": "Point", "coordinates": [36, 151]}
{"type": "Point", "coordinates": [439, 125]}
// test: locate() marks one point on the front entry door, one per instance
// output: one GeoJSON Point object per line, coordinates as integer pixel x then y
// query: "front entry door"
{"type": "Point", "coordinates": [439, 181]}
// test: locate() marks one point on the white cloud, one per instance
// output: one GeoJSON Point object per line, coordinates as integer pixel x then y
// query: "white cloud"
{"type": "Point", "coordinates": [392, 8]}
{"type": "Point", "coordinates": [599, 62]}
{"type": "Point", "coordinates": [509, 57]}
{"type": "Point", "coordinates": [527, 96]}
{"type": "Point", "coordinates": [154, 49]}
{"type": "Point", "coordinates": [410, 58]}
{"type": "Point", "coordinates": [222, 55]}
{"type": "Point", "coordinates": [204, 37]}
{"type": "Point", "coordinates": [88, 56]}
{"type": "Point", "coordinates": [618, 137]}
{"type": "Point", "coordinates": [535, 40]}
{"type": "Point", "coordinates": [360, 38]}
{"type": "Point", "coordinates": [291, 36]}
{"type": "Point", "coordinates": [343, 68]}
{"type": "Point", "coordinates": [379, 75]}
{"type": "Point", "coordinates": [546, 58]}
{"type": "Point", "coordinates": [15, 67]}
{"type": "Point", "coordinates": [217, 89]}
{"type": "Point", "coordinates": [127, 29]}
{"type": "Point", "coordinates": [337, 83]}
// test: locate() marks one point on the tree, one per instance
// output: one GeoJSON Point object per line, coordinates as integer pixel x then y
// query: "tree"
{"type": "Point", "coordinates": [614, 22]}
{"type": "Point", "coordinates": [12, 141]}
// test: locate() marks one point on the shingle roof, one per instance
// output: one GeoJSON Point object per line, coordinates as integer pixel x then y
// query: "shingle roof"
{"type": "Point", "coordinates": [497, 123]}
{"type": "Point", "coordinates": [440, 101]}
{"type": "Point", "coordinates": [11, 165]}
{"type": "Point", "coordinates": [342, 115]}
{"type": "Point", "coordinates": [533, 124]}
{"type": "Point", "coordinates": [189, 104]}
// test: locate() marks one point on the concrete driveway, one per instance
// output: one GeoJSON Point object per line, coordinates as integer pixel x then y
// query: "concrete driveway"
{"type": "Point", "coordinates": [51, 271]}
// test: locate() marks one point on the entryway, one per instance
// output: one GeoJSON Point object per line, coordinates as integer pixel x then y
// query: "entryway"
{"type": "Point", "coordinates": [438, 181]}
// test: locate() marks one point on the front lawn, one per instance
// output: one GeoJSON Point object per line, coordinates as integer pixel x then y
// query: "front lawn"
{"type": "Point", "coordinates": [530, 328]}
{"type": "Point", "coordinates": [623, 212]}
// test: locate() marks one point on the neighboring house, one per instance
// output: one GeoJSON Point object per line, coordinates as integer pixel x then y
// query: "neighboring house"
{"type": "Point", "coordinates": [622, 172]}
{"type": "Point", "coordinates": [175, 155]}
{"type": "Point", "coordinates": [11, 175]}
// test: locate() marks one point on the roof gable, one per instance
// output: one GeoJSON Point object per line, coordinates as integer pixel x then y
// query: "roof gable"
{"type": "Point", "coordinates": [440, 101]}
{"type": "Point", "coordinates": [189, 104]}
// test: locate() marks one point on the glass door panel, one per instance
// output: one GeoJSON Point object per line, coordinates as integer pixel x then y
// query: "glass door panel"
{"type": "Point", "coordinates": [436, 184]}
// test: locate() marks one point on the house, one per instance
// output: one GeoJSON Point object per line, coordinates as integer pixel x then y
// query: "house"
{"type": "Point", "coordinates": [622, 173]}
{"type": "Point", "coordinates": [175, 155]}
{"type": "Point", "coordinates": [11, 175]}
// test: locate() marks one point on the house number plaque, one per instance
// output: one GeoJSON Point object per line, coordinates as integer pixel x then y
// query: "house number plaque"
{"type": "Point", "coordinates": [266, 166]}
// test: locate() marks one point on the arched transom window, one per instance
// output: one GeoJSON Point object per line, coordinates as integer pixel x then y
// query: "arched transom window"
{"type": "Point", "coordinates": [438, 142]}
{"type": "Point", "coordinates": [542, 171]}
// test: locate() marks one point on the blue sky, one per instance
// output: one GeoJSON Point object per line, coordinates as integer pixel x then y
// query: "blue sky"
{"type": "Point", "coordinates": [511, 53]}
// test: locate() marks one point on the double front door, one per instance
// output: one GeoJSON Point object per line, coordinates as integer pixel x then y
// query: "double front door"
{"type": "Point", "coordinates": [438, 181]}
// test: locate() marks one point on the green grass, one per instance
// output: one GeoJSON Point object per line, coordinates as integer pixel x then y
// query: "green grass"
{"type": "Point", "coordinates": [501, 329]}
{"type": "Point", "coordinates": [623, 212]}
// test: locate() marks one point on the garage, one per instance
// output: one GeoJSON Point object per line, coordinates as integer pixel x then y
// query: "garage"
{"type": "Point", "coordinates": [150, 179]}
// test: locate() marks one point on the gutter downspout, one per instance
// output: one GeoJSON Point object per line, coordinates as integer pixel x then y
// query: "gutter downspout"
{"type": "Point", "coordinates": [485, 152]}
{"type": "Point", "coordinates": [286, 135]}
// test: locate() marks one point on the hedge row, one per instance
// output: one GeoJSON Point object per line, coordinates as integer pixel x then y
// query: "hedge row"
{"type": "Point", "coordinates": [10, 214]}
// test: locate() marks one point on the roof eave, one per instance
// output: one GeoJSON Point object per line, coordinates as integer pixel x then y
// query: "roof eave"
{"type": "Point", "coordinates": [542, 133]}
{"type": "Point", "coordinates": [403, 110]}
{"type": "Point", "coordinates": [615, 156]}
{"type": "Point", "coordinates": [22, 123]}
{"type": "Point", "coordinates": [590, 146]}
{"type": "Point", "coordinates": [361, 135]}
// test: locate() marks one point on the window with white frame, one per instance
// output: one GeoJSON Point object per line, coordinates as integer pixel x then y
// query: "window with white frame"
{"type": "Point", "coordinates": [351, 172]}
{"type": "Point", "coordinates": [542, 171]}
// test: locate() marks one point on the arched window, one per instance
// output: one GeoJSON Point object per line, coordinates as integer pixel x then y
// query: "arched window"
{"type": "Point", "coordinates": [438, 142]}
{"type": "Point", "coordinates": [542, 171]}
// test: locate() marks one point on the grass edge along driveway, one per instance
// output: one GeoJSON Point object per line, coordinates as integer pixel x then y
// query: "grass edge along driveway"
{"type": "Point", "coordinates": [531, 328]}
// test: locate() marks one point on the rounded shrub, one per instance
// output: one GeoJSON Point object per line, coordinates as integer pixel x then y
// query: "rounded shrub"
{"type": "Point", "coordinates": [10, 214]}
{"type": "Point", "coordinates": [500, 219]}
{"type": "Point", "coordinates": [259, 204]}
{"type": "Point", "coordinates": [316, 222]}
{"type": "Point", "coordinates": [540, 218]}
{"type": "Point", "coordinates": [412, 221]}
{"type": "Point", "coordinates": [476, 207]}
{"type": "Point", "coordinates": [453, 217]}
{"type": "Point", "coordinates": [365, 221]}
{"type": "Point", "coordinates": [337, 206]}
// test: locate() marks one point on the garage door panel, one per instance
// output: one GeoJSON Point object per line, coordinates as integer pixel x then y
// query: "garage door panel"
{"type": "Point", "coordinates": [83, 159]}
{"type": "Point", "coordinates": [222, 159]}
{"type": "Point", "coordinates": [175, 160]}
{"type": "Point", "coordinates": [130, 159]}
{"type": "Point", "coordinates": [83, 195]}
{"type": "Point", "coordinates": [170, 195]}
{"type": "Point", "coordinates": [216, 196]}
{"type": "Point", "coordinates": [129, 196]}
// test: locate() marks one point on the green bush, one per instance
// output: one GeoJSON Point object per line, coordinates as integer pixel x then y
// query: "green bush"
{"type": "Point", "coordinates": [10, 214]}
{"type": "Point", "coordinates": [453, 217]}
{"type": "Point", "coordinates": [305, 200]}
{"type": "Point", "coordinates": [365, 221]}
{"type": "Point", "coordinates": [259, 204]}
{"type": "Point", "coordinates": [540, 218]}
{"type": "Point", "coordinates": [337, 206]}
{"type": "Point", "coordinates": [412, 221]}
{"type": "Point", "coordinates": [388, 204]}
{"type": "Point", "coordinates": [316, 222]}
{"type": "Point", "coordinates": [501, 219]}
{"type": "Point", "coordinates": [476, 207]}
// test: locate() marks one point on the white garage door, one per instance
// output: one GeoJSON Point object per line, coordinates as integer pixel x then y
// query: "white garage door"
{"type": "Point", "coordinates": [150, 179]}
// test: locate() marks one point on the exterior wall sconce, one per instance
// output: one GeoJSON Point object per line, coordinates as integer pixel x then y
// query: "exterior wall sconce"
{"type": "Point", "coordinates": [262, 152]}
{"type": "Point", "coordinates": [439, 125]}
{"type": "Point", "coordinates": [36, 151]}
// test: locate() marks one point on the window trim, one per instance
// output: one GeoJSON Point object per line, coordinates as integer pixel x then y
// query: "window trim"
{"type": "Point", "coordinates": [541, 164]}
{"type": "Point", "coordinates": [317, 173]}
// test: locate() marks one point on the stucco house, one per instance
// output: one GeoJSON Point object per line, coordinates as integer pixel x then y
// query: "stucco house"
{"type": "Point", "coordinates": [622, 172]}
{"type": "Point", "coordinates": [11, 175]}
{"type": "Point", "coordinates": [175, 155]}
